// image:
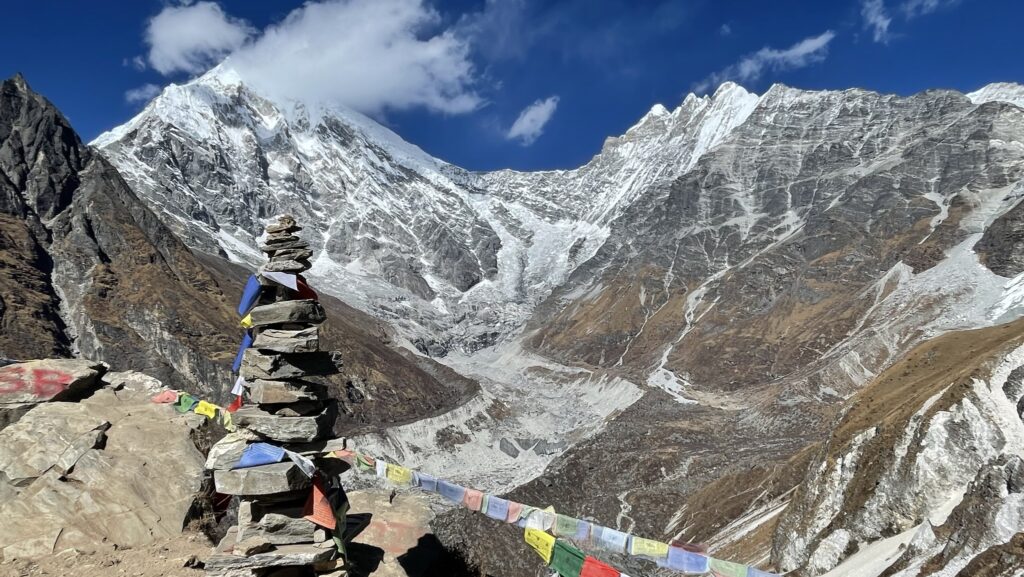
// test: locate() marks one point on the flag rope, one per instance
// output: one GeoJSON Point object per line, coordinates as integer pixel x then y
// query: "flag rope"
{"type": "Point", "coordinates": [585, 533]}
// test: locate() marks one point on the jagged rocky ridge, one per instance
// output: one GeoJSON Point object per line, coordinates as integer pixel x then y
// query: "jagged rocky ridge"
{"type": "Point", "coordinates": [756, 260]}
{"type": "Point", "coordinates": [91, 270]}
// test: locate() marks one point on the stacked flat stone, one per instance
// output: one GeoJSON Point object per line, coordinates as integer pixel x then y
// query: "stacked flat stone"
{"type": "Point", "coordinates": [284, 408]}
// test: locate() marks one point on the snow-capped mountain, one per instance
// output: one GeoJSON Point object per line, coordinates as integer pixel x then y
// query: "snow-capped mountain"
{"type": "Point", "coordinates": [458, 258]}
{"type": "Point", "coordinates": [685, 317]}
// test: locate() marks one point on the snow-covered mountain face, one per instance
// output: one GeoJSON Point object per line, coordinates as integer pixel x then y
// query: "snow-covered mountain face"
{"type": "Point", "coordinates": [455, 259]}
{"type": "Point", "coordinates": [754, 260]}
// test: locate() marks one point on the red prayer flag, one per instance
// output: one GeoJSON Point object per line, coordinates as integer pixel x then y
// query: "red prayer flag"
{"type": "Point", "coordinates": [303, 289]}
{"type": "Point", "coordinates": [594, 568]}
{"type": "Point", "coordinates": [318, 508]}
{"type": "Point", "coordinates": [166, 397]}
{"type": "Point", "coordinates": [235, 404]}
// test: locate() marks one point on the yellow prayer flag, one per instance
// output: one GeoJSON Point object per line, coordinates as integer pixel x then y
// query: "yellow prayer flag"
{"type": "Point", "coordinates": [225, 419]}
{"type": "Point", "coordinates": [208, 410]}
{"type": "Point", "coordinates": [541, 542]}
{"type": "Point", "coordinates": [247, 321]}
{"type": "Point", "coordinates": [648, 548]}
{"type": "Point", "coordinates": [400, 475]}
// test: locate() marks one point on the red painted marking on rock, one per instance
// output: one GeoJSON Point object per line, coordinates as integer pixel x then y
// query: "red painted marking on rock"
{"type": "Point", "coordinates": [43, 383]}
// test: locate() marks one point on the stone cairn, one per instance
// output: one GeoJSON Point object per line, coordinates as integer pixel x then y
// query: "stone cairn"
{"type": "Point", "coordinates": [285, 407]}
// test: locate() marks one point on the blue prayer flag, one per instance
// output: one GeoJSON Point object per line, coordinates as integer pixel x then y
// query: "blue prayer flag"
{"type": "Point", "coordinates": [685, 561]}
{"type": "Point", "coordinates": [451, 491]}
{"type": "Point", "coordinates": [246, 343]}
{"type": "Point", "coordinates": [249, 295]}
{"type": "Point", "coordinates": [425, 482]}
{"type": "Point", "coordinates": [258, 454]}
{"type": "Point", "coordinates": [610, 540]}
{"type": "Point", "coordinates": [497, 508]}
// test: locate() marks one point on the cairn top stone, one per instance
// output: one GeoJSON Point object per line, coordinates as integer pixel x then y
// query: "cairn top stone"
{"type": "Point", "coordinates": [279, 237]}
{"type": "Point", "coordinates": [283, 366]}
{"type": "Point", "coordinates": [305, 340]}
{"type": "Point", "coordinates": [286, 265]}
{"type": "Point", "coordinates": [296, 244]}
{"type": "Point", "coordinates": [264, 392]}
{"type": "Point", "coordinates": [284, 223]}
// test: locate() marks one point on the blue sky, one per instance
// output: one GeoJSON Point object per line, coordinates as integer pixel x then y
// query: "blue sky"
{"type": "Point", "coordinates": [454, 77]}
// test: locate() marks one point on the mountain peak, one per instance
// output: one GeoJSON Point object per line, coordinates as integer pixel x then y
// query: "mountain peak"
{"type": "Point", "coordinates": [19, 82]}
{"type": "Point", "coordinates": [729, 87]}
{"type": "Point", "coordinates": [999, 91]}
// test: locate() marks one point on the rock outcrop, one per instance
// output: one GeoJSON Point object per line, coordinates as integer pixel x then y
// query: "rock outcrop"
{"type": "Point", "coordinates": [99, 274]}
{"type": "Point", "coordinates": [25, 385]}
{"type": "Point", "coordinates": [112, 469]}
{"type": "Point", "coordinates": [928, 455]}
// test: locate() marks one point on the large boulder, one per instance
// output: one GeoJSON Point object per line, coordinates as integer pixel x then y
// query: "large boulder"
{"type": "Point", "coordinates": [114, 468]}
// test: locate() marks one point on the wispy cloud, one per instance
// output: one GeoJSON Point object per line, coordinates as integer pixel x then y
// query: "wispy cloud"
{"type": "Point", "coordinates": [914, 8]}
{"type": "Point", "coordinates": [750, 68]}
{"type": "Point", "coordinates": [532, 120]}
{"type": "Point", "coordinates": [142, 93]}
{"type": "Point", "coordinates": [876, 19]}
{"type": "Point", "coordinates": [371, 55]}
{"type": "Point", "coordinates": [725, 29]}
{"type": "Point", "coordinates": [191, 38]}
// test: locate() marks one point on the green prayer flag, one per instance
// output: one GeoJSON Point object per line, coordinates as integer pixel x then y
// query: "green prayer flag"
{"type": "Point", "coordinates": [363, 464]}
{"type": "Point", "coordinates": [565, 526]}
{"type": "Point", "coordinates": [340, 515]}
{"type": "Point", "coordinates": [567, 560]}
{"type": "Point", "coordinates": [727, 568]}
{"type": "Point", "coordinates": [185, 403]}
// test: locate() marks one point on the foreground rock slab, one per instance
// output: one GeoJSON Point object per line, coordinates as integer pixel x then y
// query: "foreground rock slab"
{"type": "Point", "coordinates": [224, 563]}
{"type": "Point", "coordinates": [136, 487]}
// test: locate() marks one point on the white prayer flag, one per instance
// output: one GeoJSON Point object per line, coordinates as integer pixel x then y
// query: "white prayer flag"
{"type": "Point", "coordinates": [305, 464]}
{"type": "Point", "coordinates": [282, 278]}
{"type": "Point", "coordinates": [239, 387]}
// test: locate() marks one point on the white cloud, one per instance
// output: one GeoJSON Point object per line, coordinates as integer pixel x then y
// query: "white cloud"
{"type": "Point", "coordinates": [532, 120]}
{"type": "Point", "coordinates": [191, 38]}
{"type": "Point", "coordinates": [142, 93]}
{"type": "Point", "coordinates": [370, 55]}
{"type": "Point", "coordinates": [725, 30]}
{"type": "Point", "coordinates": [876, 19]}
{"type": "Point", "coordinates": [804, 53]}
{"type": "Point", "coordinates": [914, 8]}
